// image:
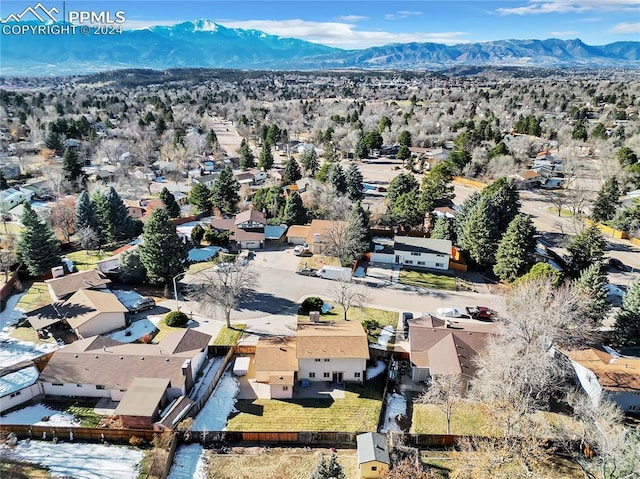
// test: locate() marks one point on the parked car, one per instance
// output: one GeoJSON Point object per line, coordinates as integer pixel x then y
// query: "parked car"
{"type": "Point", "coordinates": [619, 265]}
{"type": "Point", "coordinates": [223, 267]}
{"type": "Point", "coordinates": [481, 312]}
{"type": "Point", "coordinates": [142, 304]}
{"type": "Point", "coordinates": [301, 250]}
{"type": "Point", "coordinates": [449, 312]}
{"type": "Point", "coordinates": [406, 317]}
{"type": "Point", "coordinates": [307, 271]}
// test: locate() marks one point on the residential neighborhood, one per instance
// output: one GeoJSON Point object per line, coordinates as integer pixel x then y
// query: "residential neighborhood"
{"type": "Point", "coordinates": [341, 280]}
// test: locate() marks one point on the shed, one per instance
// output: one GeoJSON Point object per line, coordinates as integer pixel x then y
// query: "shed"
{"type": "Point", "coordinates": [373, 455]}
{"type": "Point", "coordinates": [141, 405]}
{"type": "Point", "coordinates": [241, 366]}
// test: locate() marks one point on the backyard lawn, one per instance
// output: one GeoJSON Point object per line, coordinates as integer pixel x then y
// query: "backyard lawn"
{"type": "Point", "coordinates": [88, 259]}
{"type": "Point", "coordinates": [427, 279]}
{"type": "Point", "coordinates": [36, 297]}
{"type": "Point", "coordinates": [229, 337]}
{"type": "Point", "coordinates": [357, 411]}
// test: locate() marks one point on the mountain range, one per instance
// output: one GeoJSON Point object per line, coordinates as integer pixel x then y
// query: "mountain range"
{"type": "Point", "coordinates": [207, 44]}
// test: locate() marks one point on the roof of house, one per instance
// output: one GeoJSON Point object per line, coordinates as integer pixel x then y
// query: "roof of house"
{"type": "Point", "coordinates": [529, 174]}
{"type": "Point", "coordinates": [71, 283]}
{"type": "Point", "coordinates": [143, 397]}
{"type": "Point", "coordinates": [422, 245]}
{"type": "Point", "coordinates": [243, 235]}
{"type": "Point", "coordinates": [176, 412]}
{"type": "Point", "coordinates": [322, 228]}
{"type": "Point", "coordinates": [86, 304]}
{"type": "Point", "coordinates": [276, 354]}
{"type": "Point", "coordinates": [372, 446]}
{"type": "Point", "coordinates": [222, 224]}
{"type": "Point", "coordinates": [18, 379]}
{"type": "Point", "coordinates": [344, 339]}
{"type": "Point", "coordinates": [614, 373]}
{"type": "Point", "coordinates": [250, 215]}
{"type": "Point", "coordinates": [274, 232]}
{"type": "Point", "coordinates": [100, 360]}
{"type": "Point", "coordinates": [447, 347]}
{"type": "Point", "coordinates": [298, 231]}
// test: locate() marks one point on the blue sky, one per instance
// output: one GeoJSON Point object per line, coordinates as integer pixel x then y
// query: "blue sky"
{"type": "Point", "coordinates": [360, 24]}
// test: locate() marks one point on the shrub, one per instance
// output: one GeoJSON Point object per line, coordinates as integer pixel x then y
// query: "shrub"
{"type": "Point", "coordinates": [312, 303]}
{"type": "Point", "coordinates": [176, 319]}
{"type": "Point", "coordinates": [136, 441]}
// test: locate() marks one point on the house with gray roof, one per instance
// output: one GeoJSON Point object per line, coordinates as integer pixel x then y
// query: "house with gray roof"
{"type": "Point", "coordinates": [373, 455]}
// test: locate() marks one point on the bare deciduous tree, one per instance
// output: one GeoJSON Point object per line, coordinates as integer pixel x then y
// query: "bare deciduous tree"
{"type": "Point", "coordinates": [446, 393]}
{"type": "Point", "coordinates": [348, 295]}
{"type": "Point", "coordinates": [7, 260]}
{"type": "Point", "coordinates": [63, 217]}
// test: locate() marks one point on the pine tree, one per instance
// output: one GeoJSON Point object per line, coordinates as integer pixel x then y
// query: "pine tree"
{"type": "Point", "coordinates": [291, 171]}
{"type": "Point", "coordinates": [123, 225]}
{"type": "Point", "coordinates": [71, 165]}
{"type": "Point", "coordinates": [330, 469]}
{"type": "Point", "coordinates": [403, 183]}
{"type": "Point", "coordinates": [354, 179]}
{"type": "Point", "coordinates": [626, 330]}
{"type": "Point", "coordinates": [403, 154]}
{"type": "Point", "coordinates": [265, 162]}
{"type": "Point", "coordinates": [52, 141]}
{"type": "Point", "coordinates": [504, 200]}
{"type": "Point", "coordinates": [516, 248]}
{"type": "Point", "coordinates": [212, 140]}
{"type": "Point", "coordinates": [361, 150]}
{"type": "Point", "coordinates": [310, 163]}
{"type": "Point", "coordinates": [85, 214]}
{"type": "Point", "coordinates": [477, 236]}
{"type": "Point", "coordinates": [224, 193]}
{"type": "Point", "coordinates": [38, 247]}
{"type": "Point", "coordinates": [607, 202]}
{"type": "Point", "coordinates": [162, 252]}
{"type": "Point", "coordinates": [130, 268]}
{"type": "Point", "coordinates": [586, 248]}
{"type": "Point", "coordinates": [169, 202]}
{"type": "Point", "coordinates": [444, 228]}
{"type": "Point", "coordinates": [294, 211]}
{"type": "Point", "coordinates": [200, 197]}
{"type": "Point", "coordinates": [337, 178]}
{"type": "Point", "coordinates": [247, 160]}
{"type": "Point", "coordinates": [102, 211]}
{"type": "Point", "coordinates": [592, 283]}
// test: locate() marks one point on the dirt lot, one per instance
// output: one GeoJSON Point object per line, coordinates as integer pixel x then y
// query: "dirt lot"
{"type": "Point", "coordinates": [274, 463]}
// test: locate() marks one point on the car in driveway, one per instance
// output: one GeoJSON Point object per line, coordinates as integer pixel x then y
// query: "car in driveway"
{"type": "Point", "coordinates": [449, 312]}
{"type": "Point", "coordinates": [481, 312]}
{"type": "Point", "coordinates": [141, 304]}
{"type": "Point", "coordinates": [307, 272]}
{"type": "Point", "coordinates": [302, 250]}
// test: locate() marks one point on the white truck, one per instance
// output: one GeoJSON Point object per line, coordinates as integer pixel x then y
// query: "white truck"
{"type": "Point", "coordinates": [334, 272]}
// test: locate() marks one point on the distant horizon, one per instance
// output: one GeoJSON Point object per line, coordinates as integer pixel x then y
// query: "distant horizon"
{"type": "Point", "coordinates": [357, 25]}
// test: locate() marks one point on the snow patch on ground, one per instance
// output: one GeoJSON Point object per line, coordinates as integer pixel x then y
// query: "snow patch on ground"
{"type": "Point", "coordinates": [136, 330]}
{"type": "Point", "coordinates": [32, 415]}
{"type": "Point", "coordinates": [189, 463]}
{"type": "Point", "coordinates": [80, 461]}
{"type": "Point", "coordinates": [386, 335]}
{"type": "Point", "coordinates": [396, 404]}
{"type": "Point", "coordinates": [206, 378]}
{"type": "Point", "coordinates": [214, 414]}
{"type": "Point", "coordinates": [376, 370]}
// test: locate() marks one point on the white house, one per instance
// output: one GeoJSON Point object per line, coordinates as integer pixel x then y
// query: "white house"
{"type": "Point", "coordinates": [276, 365]}
{"type": "Point", "coordinates": [602, 374]}
{"type": "Point", "coordinates": [18, 386]}
{"type": "Point", "coordinates": [413, 252]}
{"type": "Point", "coordinates": [101, 367]}
{"type": "Point", "coordinates": [12, 197]}
{"type": "Point", "coordinates": [336, 352]}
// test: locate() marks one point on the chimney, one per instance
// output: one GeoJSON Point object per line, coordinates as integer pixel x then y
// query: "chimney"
{"type": "Point", "coordinates": [314, 316]}
{"type": "Point", "coordinates": [57, 272]}
{"type": "Point", "coordinates": [188, 376]}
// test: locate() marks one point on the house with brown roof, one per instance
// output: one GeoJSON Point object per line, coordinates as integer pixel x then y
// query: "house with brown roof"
{"type": "Point", "coordinates": [101, 367]}
{"type": "Point", "coordinates": [316, 235]}
{"type": "Point", "coordinates": [336, 352]}
{"type": "Point", "coordinates": [441, 347]}
{"type": "Point", "coordinates": [608, 375]}
{"type": "Point", "coordinates": [276, 364]}
{"type": "Point", "coordinates": [247, 228]}
{"type": "Point", "coordinates": [64, 286]}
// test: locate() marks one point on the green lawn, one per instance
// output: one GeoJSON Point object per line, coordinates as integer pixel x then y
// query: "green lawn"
{"type": "Point", "coordinates": [229, 337]}
{"type": "Point", "coordinates": [197, 267]}
{"type": "Point", "coordinates": [163, 330]}
{"type": "Point", "coordinates": [427, 279]}
{"type": "Point", "coordinates": [465, 419]}
{"type": "Point", "coordinates": [88, 259]}
{"type": "Point", "coordinates": [81, 410]}
{"type": "Point", "coordinates": [35, 297]}
{"type": "Point", "coordinates": [358, 411]}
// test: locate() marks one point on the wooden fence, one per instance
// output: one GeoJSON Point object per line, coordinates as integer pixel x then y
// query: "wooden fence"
{"type": "Point", "coordinates": [67, 433]}
{"type": "Point", "coordinates": [203, 400]}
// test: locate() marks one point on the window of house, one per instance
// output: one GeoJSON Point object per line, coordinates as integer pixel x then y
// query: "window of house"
{"type": "Point", "coordinates": [356, 375]}
{"type": "Point", "coordinates": [374, 468]}
{"type": "Point", "coordinates": [439, 265]}
{"type": "Point", "coordinates": [317, 360]}
{"type": "Point", "coordinates": [312, 375]}
{"type": "Point", "coordinates": [78, 385]}
{"type": "Point", "coordinates": [415, 253]}
{"type": "Point", "coordinates": [421, 263]}
{"type": "Point", "coordinates": [326, 375]}
{"type": "Point", "coordinates": [285, 388]}
{"type": "Point", "coordinates": [99, 386]}
{"type": "Point", "coordinates": [17, 393]}
{"type": "Point", "coordinates": [408, 261]}
{"type": "Point", "coordinates": [56, 384]}
{"type": "Point", "coordinates": [327, 360]}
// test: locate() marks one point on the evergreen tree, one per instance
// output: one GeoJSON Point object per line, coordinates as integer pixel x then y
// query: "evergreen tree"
{"type": "Point", "coordinates": [444, 228]}
{"type": "Point", "coordinates": [401, 184]}
{"type": "Point", "coordinates": [404, 139]}
{"type": "Point", "coordinates": [626, 156]}
{"type": "Point", "coordinates": [212, 140]}
{"type": "Point", "coordinates": [130, 268]}
{"type": "Point", "coordinates": [71, 165]}
{"type": "Point", "coordinates": [361, 149]}
{"type": "Point", "coordinates": [104, 221]}
{"type": "Point", "coordinates": [592, 283]}
{"type": "Point", "coordinates": [330, 469]}
{"type": "Point", "coordinates": [170, 203]}
{"type": "Point", "coordinates": [224, 193]}
{"type": "Point", "coordinates": [626, 330]}
{"type": "Point", "coordinates": [504, 199]}
{"type": "Point", "coordinates": [403, 154]}
{"type": "Point", "coordinates": [123, 225]}
{"type": "Point", "coordinates": [3, 182]}
{"type": "Point", "coordinates": [323, 173]}
{"type": "Point", "coordinates": [38, 247]}
{"type": "Point", "coordinates": [516, 248]}
{"type": "Point", "coordinates": [353, 179]}
{"type": "Point", "coordinates": [266, 157]}
{"type": "Point", "coordinates": [586, 248]}
{"type": "Point", "coordinates": [374, 140]}
{"type": "Point", "coordinates": [53, 142]}
{"type": "Point", "coordinates": [437, 186]}
{"type": "Point", "coordinates": [200, 197]}
{"type": "Point", "coordinates": [294, 211]}
{"type": "Point", "coordinates": [162, 252]}
{"type": "Point", "coordinates": [291, 171]}
{"type": "Point", "coordinates": [85, 215]}
{"type": "Point", "coordinates": [310, 162]}
{"type": "Point", "coordinates": [542, 271]}
{"type": "Point", "coordinates": [337, 178]}
{"type": "Point", "coordinates": [477, 236]}
{"type": "Point", "coordinates": [406, 211]}
{"type": "Point", "coordinates": [247, 160]}
{"type": "Point", "coordinates": [607, 202]}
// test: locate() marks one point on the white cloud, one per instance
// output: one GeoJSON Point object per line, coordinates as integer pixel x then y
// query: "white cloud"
{"type": "Point", "coordinates": [141, 24]}
{"type": "Point", "coordinates": [351, 18]}
{"type": "Point", "coordinates": [400, 14]}
{"type": "Point", "coordinates": [568, 6]}
{"type": "Point", "coordinates": [568, 33]}
{"type": "Point", "coordinates": [625, 28]}
{"type": "Point", "coordinates": [342, 35]}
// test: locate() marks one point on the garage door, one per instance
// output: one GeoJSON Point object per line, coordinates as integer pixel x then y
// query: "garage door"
{"type": "Point", "coordinates": [251, 245]}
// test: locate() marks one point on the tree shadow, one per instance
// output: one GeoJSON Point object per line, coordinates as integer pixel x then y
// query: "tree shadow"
{"type": "Point", "coordinates": [266, 303]}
